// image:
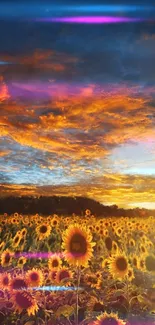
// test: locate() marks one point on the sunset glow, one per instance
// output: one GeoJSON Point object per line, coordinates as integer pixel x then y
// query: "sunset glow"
{"type": "Point", "coordinates": [78, 119]}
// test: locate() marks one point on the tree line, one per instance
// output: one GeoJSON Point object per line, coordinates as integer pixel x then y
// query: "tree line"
{"type": "Point", "coordinates": [63, 205]}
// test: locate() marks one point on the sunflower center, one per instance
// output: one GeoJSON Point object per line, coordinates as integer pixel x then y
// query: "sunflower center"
{"type": "Point", "coordinates": [89, 279]}
{"type": "Point", "coordinates": [7, 258]}
{"type": "Point", "coordinates": [108, 243]}
{"type": "Point", "coordinates": [16, 239]}
{"type": "Point", "coordinates": [34, 276]}
{"type": "Point", "coordinates": [78, 245]}
{"type": "Point", "coordinates": [21, 261]}
{"type": "Point", "coordinates": [23, 300]}
{"type": "Point", "coordinates": [121, 263]}
{"type": "Point", "coordinates": [150, 263]}
{"type": "Point", "coordinates": [98, 307]}
{"type": "Point", "coordinates": [109, 321]}
{"type": "Point", "coordinates": [63, 275]}
{"type": "Point", "coordinates": [134, 261]}
{"type": "Point", "coordinates": [55, 263]}
{"type": "Point", "coordinates": [22, 241]}
{"type": "Point", "coordinates": [43, 229]}
{"type": "Point", "coordinates": [19, 284]}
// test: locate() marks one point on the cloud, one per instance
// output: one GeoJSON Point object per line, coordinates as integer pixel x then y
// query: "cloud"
{"type": "Point", "coordinates": [124, 190]}
{"type": "Point", "coordinates": [84, 123]}
{"type": "Point", "coordinates": [4, 153]}
{"type": "Point", "coordinates": [64, 134]}
{"type": "Point", "coordinates": [40, 63]}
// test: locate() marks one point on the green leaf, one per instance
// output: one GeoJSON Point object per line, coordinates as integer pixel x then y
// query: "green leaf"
{"type": "Point", "coordinates": [65, 311]}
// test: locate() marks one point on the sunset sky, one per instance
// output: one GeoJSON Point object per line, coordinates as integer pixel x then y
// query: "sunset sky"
{"type": "Point", "coordinates": [77, 103]}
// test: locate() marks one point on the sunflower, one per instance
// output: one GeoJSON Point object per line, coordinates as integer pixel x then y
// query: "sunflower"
{"type": "Point", "coordinates": [118, 265]}
{"type": "Point", "coordinates": [4, 280]}
{"type": "Point", "coordinates": [87, 212]}
{"type": "Point", "coordinates": [114, 247]}
{"type": "Point", "coordinates": [132, 242]}
{"type": "Point", "coordinates": [16, 240]}
{"type": "Point", "coordinates": [106, 232]}
{"type": "Point", "coordinates": [130, 275]}
{"type": "Point", "coordinates": [64, 274]}
{"type": "Point", "coordinates": [18, 283]}
{"type": "Point", "coordinates": [107, 224]}
{"type": "Point", "coordinates": [23, 300]}
{"type": "Point", "coordinates": [92, 281]}
{"type": "Point", "coordinates": [99, 247]}
{"type": "Point", "coordinates": [43, 231]}
{"type": "Point", "coordinates": [142, 249]}
{"type": "Point", "coordinates": [141, 263]}
{"type": "Point", "coordinates": [149, 245]}
{"type": "Point", "coordinates": [108, 243]}
{"type": "Point", "coordinates": [101, 232]}
{"type": "Point", "coordinates": [22, 260]}
{"type": "Point", "coordinates": [118, 231]}
{"type": "Point", "coordinates": [105, 263]}
{"type": "Point", "coordinates": [98, 275]}
{"type": "Point", "coordinates": [95, 305]}
{"type": "Point", "coordinates": [67, 220]}
{"type": "Point", "coordinates": [45, 272]}
{"type": "Point", "coordinates": [78, 245]}
{"type": "Point", "coordinates": [34, 278]}
{"type": "Point", "coordinates": [13, 221]}
{"type": "Point", "coordinates": [108, 319]}
{"type": "Point", "coordinates": [55, 221]}
{"type": "Point", "coordinates": [54, 262]}
{"type": "Point", "coordinates": [91, 228]}
{"type": "Point", "coordinates": [3, 222]}
{"type": "Point", "coordinates": [52, 276]}
{"type": "Point", "coordinates": [114, 224]}
{"type": "Point", "coordinates": [134, 261]}
{"type": "Point", "coordinates": [22, 243]}
{"type": "Point", "coordinates": [23, 232]}
{"type": "Point", "coordinates": [6, 258]}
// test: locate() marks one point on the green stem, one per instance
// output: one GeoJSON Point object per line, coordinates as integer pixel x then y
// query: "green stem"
{"type": "Point", "coordinates": [77, 294]}
{"type": "Point", "coordinates": [45, 307]}
{"type": "Point", "coordinates": [127, 285]}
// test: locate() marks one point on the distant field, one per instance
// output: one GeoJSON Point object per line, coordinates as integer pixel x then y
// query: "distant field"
{"type": "Point", "coordinates": [72, 270]}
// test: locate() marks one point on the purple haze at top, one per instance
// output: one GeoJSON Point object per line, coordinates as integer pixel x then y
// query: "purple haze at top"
{"type": "Point", "coordinates": [90, 19]}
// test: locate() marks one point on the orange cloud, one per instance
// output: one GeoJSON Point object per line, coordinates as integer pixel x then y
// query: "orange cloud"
{"type": "Point", "coordinates": [98, 122]}
{"type": "Point", "coordinates": [4, 153]}
{"type": "Point", "coordinates": [4, 93]}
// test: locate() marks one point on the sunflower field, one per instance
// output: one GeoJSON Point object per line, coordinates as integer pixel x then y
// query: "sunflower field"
{"type": "Point", "coordinates": [76, 270]}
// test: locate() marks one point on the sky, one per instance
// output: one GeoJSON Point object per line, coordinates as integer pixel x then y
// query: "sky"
{"type": "Point", "coordinates": [77, 101]}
